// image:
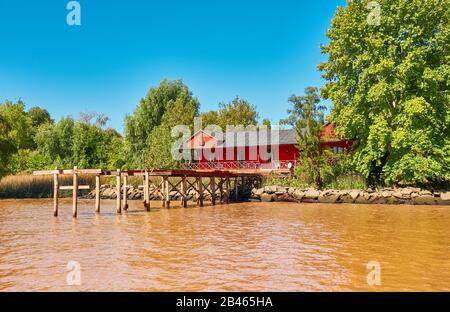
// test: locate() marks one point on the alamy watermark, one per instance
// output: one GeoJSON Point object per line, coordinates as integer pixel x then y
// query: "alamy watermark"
{"type": "Point", "coordinates": [374, 16]}
{"type": "Point", "coordinates": [73, 18]}
{"type": "Point", "coordinates": [73, 277]}
{"type": "Point", "coordinates": [374, 276]}
{"type": "Point", "coordinates": [235, 142]}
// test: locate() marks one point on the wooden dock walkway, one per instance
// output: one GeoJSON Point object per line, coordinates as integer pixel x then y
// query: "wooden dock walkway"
{"type": "Point", "coordinates": [217, 183]}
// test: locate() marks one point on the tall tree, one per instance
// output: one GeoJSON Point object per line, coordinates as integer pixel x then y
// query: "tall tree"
{"type": "Point", "coordinates": [39, 116]}
{"type": "Point", "coordinates": [388, 76]}
{"type": "Point", "coordinates": [237, 112]}
{"type": "Point", "coordinates": [307, 117]}
{"type": "Point", "coordinates": [152, 112]}
{"type": "Point", "coordinates": [7, 149]}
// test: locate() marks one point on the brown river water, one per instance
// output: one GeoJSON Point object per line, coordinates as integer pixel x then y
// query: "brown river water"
{"type": "Point", "coordinates": [236, 247]}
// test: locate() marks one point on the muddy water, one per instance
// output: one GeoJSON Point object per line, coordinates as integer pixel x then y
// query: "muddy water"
{"type": "Point", "coordinates": [251, 246]}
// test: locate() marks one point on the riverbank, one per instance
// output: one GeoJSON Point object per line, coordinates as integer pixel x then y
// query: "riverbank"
{"type": "Point", "coordinates": [395, 196]}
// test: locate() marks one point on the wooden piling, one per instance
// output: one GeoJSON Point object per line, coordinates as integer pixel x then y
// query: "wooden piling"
{"type": "Point", "coordinates": [221, 189]}
{"type": "Point", "coordinates": [163, 192]}
{"type": "Point", "coordinates": [212, 187]}
{"type": "Point", "coordinates": [146, 191]}
{"type": "Point", "coordinates": [125, 192]}
{"type": "Point", "coordinates": [118, 191]}
{"type": "Point", "coordinates": [236, 190]}
{"type": "Point", "coordinates": [55, 194]}
{"type": "Point", "coordinates": [166, 193]}
{"type": "Point", "coordinates": [183, 192]}
{"type": "Point", "coordinates": [75, 193]}
{"type": "Point", "coordinates": [227, 189]}
{"type": "Point", "coordinates": [200, 191]}
{"type": "Point", "coordinates": [97, 193]}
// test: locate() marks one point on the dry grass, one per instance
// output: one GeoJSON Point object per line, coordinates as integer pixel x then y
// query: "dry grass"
{"type": "Point", "coordinates": [29, 186]}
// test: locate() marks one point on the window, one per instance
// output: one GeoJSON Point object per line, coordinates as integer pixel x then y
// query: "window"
{"type": "Point", "coordinates": [338, 149]}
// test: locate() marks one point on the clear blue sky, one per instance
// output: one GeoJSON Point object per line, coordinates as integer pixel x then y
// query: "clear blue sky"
{"type": "Point", "coordinates": [263, 51]}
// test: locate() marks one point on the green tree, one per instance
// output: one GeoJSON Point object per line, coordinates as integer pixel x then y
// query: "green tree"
{"type": "Point", "coordinates": [21, 128]}
{"type": "Point", "coordinates": [170, 104]}
{"type": "Point", "coordinates": [39, 116]}
{"type": "Point", "coordinates": [307, 117]}
{"type": "Point", "coordinates": [7, 149]}
{"type": "Point", "coordinates": [237, 112]}
{"type": "Point", "coordinates": [389, 84]}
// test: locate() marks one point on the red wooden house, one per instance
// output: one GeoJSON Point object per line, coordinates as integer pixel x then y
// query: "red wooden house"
{"type": "Point", "coordinates": [263, 149]}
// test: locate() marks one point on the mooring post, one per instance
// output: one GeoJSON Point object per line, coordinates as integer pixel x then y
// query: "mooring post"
{"type": "Point", "coordinates": [146, 191]}
{"type": "Point", "coordinates": [125, 192]}
{"type": "Point", "coordinates": [227, 188]}
{"type": "Point", "coordinates": [97, 193]}
{"type": "Point", "coordinates": [75, 192]}
{"type": "Point", "coordinates": [118, 190]}
{"type": "Point", "coordinates": [236, 189]}
{"type": "Point", "coordinates": [55, 194]}
{"type": "Point", "coordinates": [200, 191]}
{"type": "Point", "coordinates": [183, 192]}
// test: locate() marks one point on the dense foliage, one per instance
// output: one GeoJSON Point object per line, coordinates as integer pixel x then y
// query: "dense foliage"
{"type": "Point", "coordinates": [389, 84]}
{"type": "Point", "coordinates": [307, 117]}
{"type": "Point", "coordinates": [238, 112]}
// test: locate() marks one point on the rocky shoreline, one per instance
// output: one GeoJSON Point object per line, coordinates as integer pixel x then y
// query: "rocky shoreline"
{"type": "Point", "coordinates": [408, 195]}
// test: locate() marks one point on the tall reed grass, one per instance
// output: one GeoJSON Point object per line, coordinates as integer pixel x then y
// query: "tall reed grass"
{"type": "Point", "coordinates": [29, 186]}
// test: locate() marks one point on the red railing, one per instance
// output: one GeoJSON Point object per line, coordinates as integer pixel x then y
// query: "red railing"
{"type": "Point", "coordinates": [241, 165]}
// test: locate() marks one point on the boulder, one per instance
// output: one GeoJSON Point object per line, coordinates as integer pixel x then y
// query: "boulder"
{"type": "Point", "coordinates": [329, 197]}
{"type": "Point", "coordinates": [270, 189]}
{"type": "Point", "coordinates": [267, 197]}
{"type": "Point", "coordinates": [445, 196]}
{"type": "Point", "coordinates": [258, 192]}
{"type": "Point", "coordinates": [354, 194]}
{"type": "Point", "coordinates": [312, 194]}
{"type": "Point", "coordinates": [298, 194]}
{"type": "Point", "coordinates": [424, 200]}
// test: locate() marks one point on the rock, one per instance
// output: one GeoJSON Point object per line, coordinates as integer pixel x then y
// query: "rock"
{"type": "Point", "coordinates": [291, 191]}
{"type": "Point", "coordinates": [258, 192]}
{"type": "Point", "coordinates": [354, 194]}
{"type": "Point", "coordinates": [312, 194]}
{"type": "Point", "coordinates": [424, 192]}
{"type": "Point", "coordinates": [267, 197]}
{"type": "Point", "coordinates": [424, 200]}
{"type": "Point", "coordinates": [406, 191]}
{"type": "Point", "coordinates": [327, 197]}
{"type": "Point", "coordinates": [270, 189]}
{"type": "Point", "coordinates": [397, 194]}
{"type": "Point", "coordinates": [445, 196]}
{"type": "Point", "coordinates": [298, 194]}
{"type": "Point", "coordinates": [281, 191]}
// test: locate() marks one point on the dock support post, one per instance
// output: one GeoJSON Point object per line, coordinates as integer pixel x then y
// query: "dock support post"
{"type": "Point", "coordinates": [236, 189]}
{"type": "Point", "coordinates": [125, 192]}
{"type": "Point", "coordinates": [167, 191]}
{"type": "Point", "coordinates": [97, 193]}
{"type": "Point", "coordinates": [227, 188]}
{"type": "Point", "coordinates": [118, 191]}
{"type": "Point", "coordinates": [163, 192]}
{"type": "Point", "coordinates": [212, 186]}
{"type": "Point", "coordinates": [55, 194]}
{"type": "Point", "coordinates": [146, 191]}
{"type": "Point", "coordinates": [200, 191]}
{"type": "Point", "coordinates": [183, 192]}
{"type": "Point", "coordinates": [75, 193]}
{"type": "Point", "coordinates": [221, 189]}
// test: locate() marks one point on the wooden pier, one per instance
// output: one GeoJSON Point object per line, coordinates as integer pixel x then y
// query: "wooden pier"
{"type": "Point", "coordinates": [218, 184]}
